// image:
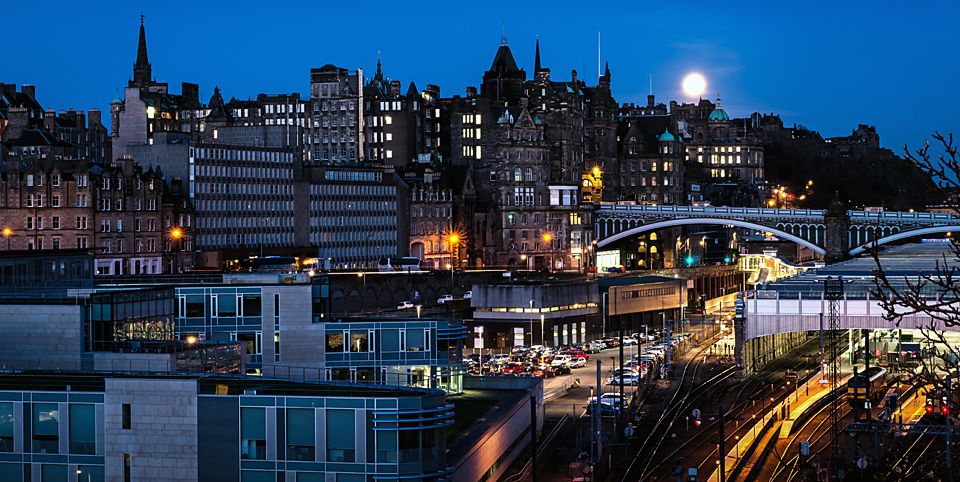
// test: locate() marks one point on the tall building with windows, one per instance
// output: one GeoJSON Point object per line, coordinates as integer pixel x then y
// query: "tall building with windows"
{"type": "Point", "coordinates": [337, 135]}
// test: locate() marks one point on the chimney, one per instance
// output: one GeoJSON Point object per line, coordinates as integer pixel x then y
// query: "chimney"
{"type": "Point", "coordinates": [30, 90]}
{"type": "Point", "coordinates": [650, 100]}
{"type": "Point", "coordinates": [573, 76]}
{"type": "Point", "coordinates": [394, 88]}
{"type": "Point", "coordinates": [93, 117]}
{"type": "Point", "coordinates": [471, 91]}
{"type": "Point", "coordinates": [48, 119]}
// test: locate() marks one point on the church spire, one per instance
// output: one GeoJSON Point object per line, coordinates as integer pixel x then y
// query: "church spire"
{"type": "Point", "coordinates": [141, 69]}
{"type": "Point", "coordinates": [536, 62]}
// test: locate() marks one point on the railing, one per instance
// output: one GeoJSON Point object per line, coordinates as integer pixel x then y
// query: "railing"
{"type": "Point", "coordinates": [775, 212]}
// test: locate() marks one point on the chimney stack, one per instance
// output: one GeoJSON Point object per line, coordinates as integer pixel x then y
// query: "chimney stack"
{"type": "Point", "coordinates": [30, 90]}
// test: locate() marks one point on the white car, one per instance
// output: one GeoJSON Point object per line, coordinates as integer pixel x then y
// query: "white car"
{"type": "Point", "coordinates": [578, 362]}
{"type": "Point", "coordinates": [501, 358]}
{"type": "Point", "coordinates": [629, 341]}
{"type": "Point", "coordinates": [468, 295]}
{"type": "Point", "coordinates": [404, 305]}
{"type": "Point", "coordinates": [561, 361]}
{"type": "Point", "coordinates": [444, 298]}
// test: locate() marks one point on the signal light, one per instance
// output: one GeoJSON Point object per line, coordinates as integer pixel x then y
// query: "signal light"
{"type": "Point", "coordinates": [929, 407]}
{"type": "Point", "coordinates": [944, 410]}
{"type": "Point", "coordinates": [690, 260]}
{"type": "Point", "coordinates": [696, 422]}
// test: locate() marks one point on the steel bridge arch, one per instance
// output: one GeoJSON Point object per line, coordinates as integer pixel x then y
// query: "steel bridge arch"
{"type": "Point", "coordinates": [904, 235]}
{"type": "Point", "coordinates": [643, 228]}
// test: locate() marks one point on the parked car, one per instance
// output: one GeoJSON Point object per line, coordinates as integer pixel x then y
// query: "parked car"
{"type": "Point", "coordinates": [468, 295]}
{"type": "Point", "coordinates": [561, 360]}
{"type": "Point", "coordinates": [514, 368]}
{"type": "Point", "coordinates": [629, 378]}
{"type": "Point", "coordinates": [593, 347]}
{"type": "Point", "coordinates": [577, 362]}
{"type": "Point", "coordinates": [575, 354]}
{"type": "Point", "coordinates": [543, 371]}
{"type": "Point", "coordinates": [561, 370]}
{"type": "Point", "coordinates": [444, 298]}
{"type": "Point", "coordinates": [498, 359]}
{"type": "Point", "coordinates": [405, 305]}
{"type": "Point", "coordinates": [612, 398]}
{"type": "Point", "coordinates": [629, 341]}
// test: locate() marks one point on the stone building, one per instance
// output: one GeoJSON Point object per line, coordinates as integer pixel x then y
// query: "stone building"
{"type": "Point", "coordinates": [336, 96]}
{"type": "Point", "coordinates": [433, 237]}
{"type": "Point", "coordinates": [148, 107]}
{"type": "Point", "coordinates": [132, 233]}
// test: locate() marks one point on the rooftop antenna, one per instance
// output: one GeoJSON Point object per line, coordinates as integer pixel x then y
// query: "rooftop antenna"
{"type": "Point", "coordinates": [651, 84]}
{"type": "Point", "coordinates": [503, 32]}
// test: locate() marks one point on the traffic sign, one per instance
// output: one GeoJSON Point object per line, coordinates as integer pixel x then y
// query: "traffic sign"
{"type": "Point", "coordinates": [862, 463]}
{"type": "Point", "coordinates": [696, 413]}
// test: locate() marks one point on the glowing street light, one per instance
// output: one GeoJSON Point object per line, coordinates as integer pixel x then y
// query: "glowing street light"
{"type": "Point", "coordinates": [7, 233]}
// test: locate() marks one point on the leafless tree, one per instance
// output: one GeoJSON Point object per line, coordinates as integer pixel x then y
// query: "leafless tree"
{"type": "Point", "coordinates": [932, 297]}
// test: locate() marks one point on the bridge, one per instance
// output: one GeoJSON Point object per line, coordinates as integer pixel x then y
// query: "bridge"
{"type": "Point", "coordinates": [834, 233]}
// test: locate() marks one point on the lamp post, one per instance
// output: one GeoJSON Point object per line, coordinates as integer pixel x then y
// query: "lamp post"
{"type": "Point", "coordinates": [541, 330]}
{"type": "Point", "coordinates": [175, 234]}
{"type": "Point", "coordinates": [547, 240]}
{"type": "Point", "coordinates": [523, 259]}
{"type": "Point", "coordinates": [363, 296]}
{"type": "Point", "coordinates": [7, 234]}
{"type": "Point", "coordinates": [531, 321]}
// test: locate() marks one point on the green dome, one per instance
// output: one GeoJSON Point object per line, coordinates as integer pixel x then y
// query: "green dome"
{"type": "Point", "coordinates": [666, 137]}
{"type": "Point", "coordinates": [719, 115]}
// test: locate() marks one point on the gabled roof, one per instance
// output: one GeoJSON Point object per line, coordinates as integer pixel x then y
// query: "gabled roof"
{"type": "Point", "coordinates": [503, 61]}
{"type": "Point", "coordinates": [36, 137]}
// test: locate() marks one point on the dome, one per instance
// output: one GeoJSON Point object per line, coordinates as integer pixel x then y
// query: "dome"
{"type": "Point", "coordinates": [666, 137]}
{"type": "Point", "coordinates": [719, 115]}
{"type": "Point", "coordinates": [117, 100]}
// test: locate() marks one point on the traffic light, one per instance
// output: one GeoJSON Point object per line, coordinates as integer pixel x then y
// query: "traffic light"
{"type": "Point", "coordinates": [727, 260]}
{"type": "Point", "coordinates": [929, 407]}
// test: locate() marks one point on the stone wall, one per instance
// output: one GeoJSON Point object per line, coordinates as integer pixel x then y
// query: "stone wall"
{"type": "Point", "coordinates": [162, 439]}
{"type": "Point", "coordinates": [41, 336]}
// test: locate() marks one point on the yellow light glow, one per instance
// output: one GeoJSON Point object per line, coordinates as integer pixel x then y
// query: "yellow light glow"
{"type": "Point", "coordinates": [176, 233]}
{"type": "Point", "coordinates": [772, 203]}
{"type": "Point", "coordinates": [694, 84]}
{"type": "Point", "coordinates": [7, 232]}
{"type": "Point", "coordinates": [547, 237]}
{"type": "Point", "coordinates": [191, 339]}
{"type": "Point", "coordinates": [596, 171]}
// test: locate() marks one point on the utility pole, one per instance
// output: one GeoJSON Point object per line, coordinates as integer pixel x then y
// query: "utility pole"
{"type": "Point", "coordinates": [620, 407]}
{"type": "Point", "coordinates": [599, 425]}
{"type": "Point", "coordinates": [833, 293]}
{"type": "Point", "coordinates": [533, 437]}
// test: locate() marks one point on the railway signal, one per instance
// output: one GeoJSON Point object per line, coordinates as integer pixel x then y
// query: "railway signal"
{"type": "Point", "coordinates": [929, 407]}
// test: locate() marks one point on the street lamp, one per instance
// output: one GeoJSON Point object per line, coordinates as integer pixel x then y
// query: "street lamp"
{"type": "Point", "coordinates": [363, 296]}
{"type": "Point", "coordinates": [523, 258]}
{"type": "Point", "coordinates": [7, 233]}
{"type": "Point", "coordinates": [175, 234]}
{"type": "Point", "coordinates": [547, 240]}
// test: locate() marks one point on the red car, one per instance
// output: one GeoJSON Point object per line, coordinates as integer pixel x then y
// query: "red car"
{"type": "Point", "coordinates": [514, 368]}
{"type": "Point", "coordinates": [576, 354]}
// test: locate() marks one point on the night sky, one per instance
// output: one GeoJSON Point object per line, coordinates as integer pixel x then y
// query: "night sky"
{"type": "Point", "coordinates": [826, 65]}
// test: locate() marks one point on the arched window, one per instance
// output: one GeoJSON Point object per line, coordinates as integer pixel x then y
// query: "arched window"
{"type": "Point", "coordinates": [529, 175]}
{"type": "Point", "coordinates": [517, 175]}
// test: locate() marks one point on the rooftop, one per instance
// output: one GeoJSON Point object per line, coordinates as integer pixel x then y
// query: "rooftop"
{"type": "Point", "coordinates": [208, 384]}
{"type": "Point", "coordinates": [902, 264]}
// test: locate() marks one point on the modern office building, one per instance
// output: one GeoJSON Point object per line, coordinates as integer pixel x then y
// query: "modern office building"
{"type": "Point", "coordinates": [98, 427]}
{"type": "Point", "coordinates": [551, 314]}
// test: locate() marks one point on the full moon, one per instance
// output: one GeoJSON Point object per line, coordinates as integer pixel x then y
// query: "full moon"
{"type": "Point", "coordinates": [694, 85]}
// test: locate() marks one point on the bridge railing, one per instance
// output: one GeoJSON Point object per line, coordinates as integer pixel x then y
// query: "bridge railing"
{"type": "Point", "coordinates": [657, 209]}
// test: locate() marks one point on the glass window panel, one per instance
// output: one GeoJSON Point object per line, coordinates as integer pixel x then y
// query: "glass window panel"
{"type": "Point", "coordinates": [195, 306]}
{"type": "Point", "coordinates": [311, 477]}
{"type": "Point", "coordinates": [351, 478]}
{"type": "Point", "coordinates": [11, 471]}
{"type": "Point", "coordinates": [358, 341]}
{"type": "Point", "coordinates": [82, 429]}
{"type": "Point", "coordinates": [341, 435]}
{"type": "Point", "coordinates": [334, 342]}
{"type": "Point", "coordinates": [390, 340]}
{"type": "Point", "coordinates": [226, 305]}
{"type": "Point", "coordinates": [90, 473]}
{"type": "Point", "coordinates": [301, 434]}
{"type": "Point", "coordinates": [251, 305]}
{"type": "Point", "coordinates": [257, 476]}
{"type": "Point", "coordinates": [253, 443]}
{"type": "Point", "coordinates": [53, 473]}
{"type": "Point", "coordinates": [386, 446]}
{"type": "Point", "coordinates": [415, 341]}
{"type": "Point", "coordinates": [46, 422]}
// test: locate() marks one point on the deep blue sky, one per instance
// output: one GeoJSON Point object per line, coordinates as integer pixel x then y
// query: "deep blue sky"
{"type": "Point", "coordinates": [825, 65]}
